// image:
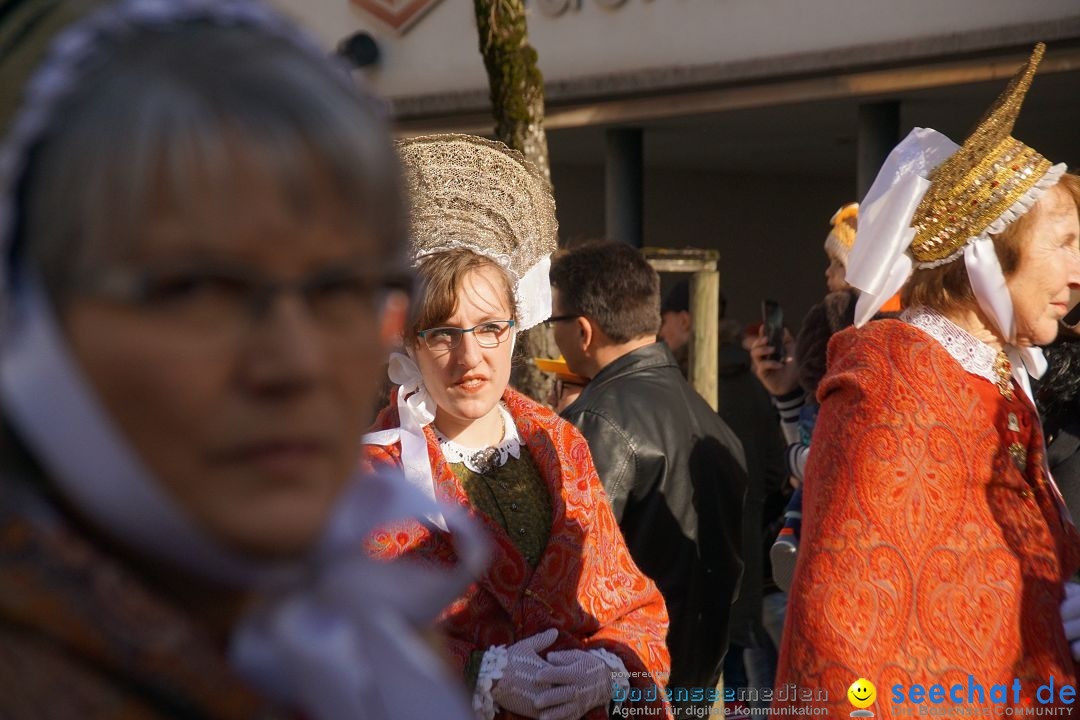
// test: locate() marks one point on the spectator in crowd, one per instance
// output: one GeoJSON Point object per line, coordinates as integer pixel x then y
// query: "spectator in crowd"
{"type": "Point", "coordinates": [793, 383]}
{"type": "Point", "coordinates": [674, 471]}
{"type": "Point", "coordinates": [200, 225]}
{"type": "Point", "coordinates": [845, 222]}
{"type": "Point", "coordinates": [935, 545]}
{"type": "Point", "coordinates": [744, 405]}
{"type": "Point", "coordinates": [562, 621]}
{"type": "Point", "coordinates": [1058, 400]}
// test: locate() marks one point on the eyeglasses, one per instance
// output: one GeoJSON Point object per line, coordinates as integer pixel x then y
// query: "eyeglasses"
{"type": "Point", "coordinates": [225, 300]}
{"type": "Point", "coordinates": [559, 318]}
{"type": "Point", "coordinates": [488, 335]}
{"type": "Point", "coordinates": [562, 386]}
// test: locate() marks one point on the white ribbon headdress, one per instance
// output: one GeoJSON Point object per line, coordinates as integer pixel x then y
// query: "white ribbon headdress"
{"type": "Point", "coordinates": [468, 193]}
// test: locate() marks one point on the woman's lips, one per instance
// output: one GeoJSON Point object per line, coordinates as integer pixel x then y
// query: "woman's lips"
{"type": "Point", "coordinates": [471, 383]}
{"type": "Point", "coordinates": [285, 456]}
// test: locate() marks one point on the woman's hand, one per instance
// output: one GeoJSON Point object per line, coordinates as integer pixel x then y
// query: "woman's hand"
{"type": "Point", "coordinates": [520, 690]}
{"type": "Point", "coordinates": [580, 682]}
{"type": "Point", "coordinates": [779, 378]}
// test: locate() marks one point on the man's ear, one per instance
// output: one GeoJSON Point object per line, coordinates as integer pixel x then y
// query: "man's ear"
{"type": "Point", "coordinates": [586, 332]}
{"type": "Point", "coordinates": [684, 320]}
{"type": "Point", "coordinates": [392, 320]}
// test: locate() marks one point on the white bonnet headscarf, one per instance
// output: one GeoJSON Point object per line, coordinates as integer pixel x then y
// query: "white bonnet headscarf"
{"type": "Point", "coordinates": [333, 635]}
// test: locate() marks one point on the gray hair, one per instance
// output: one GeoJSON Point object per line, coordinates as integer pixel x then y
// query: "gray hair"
{"type": "Point", "coordinates": [165, 114]}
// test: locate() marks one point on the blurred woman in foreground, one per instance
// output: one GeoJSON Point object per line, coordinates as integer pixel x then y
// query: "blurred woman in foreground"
{"type": "Point", "coordinates": [199, 229]}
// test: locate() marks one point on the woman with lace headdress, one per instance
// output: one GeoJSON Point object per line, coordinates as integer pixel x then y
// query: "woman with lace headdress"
{"type": "Point", "coordinates": [935, 546]}
{"type": "Point", "coordinates": [562, 623]}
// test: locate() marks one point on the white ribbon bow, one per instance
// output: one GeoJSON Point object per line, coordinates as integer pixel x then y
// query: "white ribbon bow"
{"type": "Point", "coordinates": [416, 408]}
{"type": "Point", "coordinates": [879, 263]}
{"type": "Point", "coordinates": [988, 284]}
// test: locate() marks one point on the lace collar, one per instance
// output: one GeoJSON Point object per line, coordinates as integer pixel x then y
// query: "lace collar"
{"type": "Point", "coordinates": [484, 460]}
{"type": "Point", "coordinates": [975, 356]}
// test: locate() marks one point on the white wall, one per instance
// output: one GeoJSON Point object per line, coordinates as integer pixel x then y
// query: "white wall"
{"type": "Point", "coordinates": [439, 54]}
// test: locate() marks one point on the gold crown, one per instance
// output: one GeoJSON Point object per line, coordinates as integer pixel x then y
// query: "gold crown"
{"type": "Point", "coordinates": [842, 236]}
{"type": "Point", "coordinates": [981, 181]}
{"type": "Point", "coordinates": [472, 193]}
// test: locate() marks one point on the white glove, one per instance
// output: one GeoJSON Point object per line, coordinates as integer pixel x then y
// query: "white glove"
{"type": "Point", "coordinates": [580, 682]}
{"type": "Point", "coordinates": [1070, 617]}
{"type": "Point", "coordinates": [519, 689]}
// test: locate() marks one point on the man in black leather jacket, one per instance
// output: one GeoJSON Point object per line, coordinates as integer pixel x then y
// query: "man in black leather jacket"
{"type": "Point", "coordinates": [674, 471]}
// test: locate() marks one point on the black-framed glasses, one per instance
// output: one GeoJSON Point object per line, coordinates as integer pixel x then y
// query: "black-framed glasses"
{"type": "Point", "coordinates": [222, 298]}
{"type": "Point", "coordinates": [488, 335]}
{"type": "Point", "coordinates": [559, 318]}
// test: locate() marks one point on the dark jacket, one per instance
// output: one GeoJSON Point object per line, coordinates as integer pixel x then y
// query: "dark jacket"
{"type": "Point", "coordinates": [1063, 457]}
{"type": "Point", "coordinates": [676, 477]}
{"type": "Point", "coordinates": [745, 406]}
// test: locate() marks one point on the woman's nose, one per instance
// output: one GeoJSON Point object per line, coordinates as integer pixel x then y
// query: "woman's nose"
{"type": "Point", "coordinates": [1074, 270]}
{"type": "Point", "coordinates": [469, 350]}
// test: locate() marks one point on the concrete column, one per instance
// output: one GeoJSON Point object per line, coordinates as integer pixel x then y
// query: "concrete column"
{"type": "Point", "coordinates": [623, 186]}
{"type": "Point", "coordinates": [879, 132]}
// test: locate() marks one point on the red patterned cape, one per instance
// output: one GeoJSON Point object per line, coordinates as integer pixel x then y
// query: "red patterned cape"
{"type": "Point", "coordinates": [586, 584]}
{"type": "Point", "coordinates": [927, 553]}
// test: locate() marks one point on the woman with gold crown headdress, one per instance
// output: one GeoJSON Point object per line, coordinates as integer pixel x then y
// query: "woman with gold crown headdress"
{"type": "Point", "coordinates": [935, 546]}
{"type": "Point", "coordinates": [562, 623]}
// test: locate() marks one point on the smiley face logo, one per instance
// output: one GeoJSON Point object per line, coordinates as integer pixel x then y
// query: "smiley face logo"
{"type": "Point", "coordinates": [862, 693]}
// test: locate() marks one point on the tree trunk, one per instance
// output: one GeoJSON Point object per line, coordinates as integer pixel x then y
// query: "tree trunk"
{"type": "Point", "coordinates": [517, 102]}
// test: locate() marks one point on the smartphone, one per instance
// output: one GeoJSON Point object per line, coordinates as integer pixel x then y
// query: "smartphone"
{"type": "Point", "coordinates": [1072, 318]}
{"type": "Point", "coordinates": [772, 319]}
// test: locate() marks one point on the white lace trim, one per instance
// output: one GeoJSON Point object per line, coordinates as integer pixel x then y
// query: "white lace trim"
{"type": "Point", "coordinates": [532, 289]}
{"type": "Point", "coordinates": [975, 356]}
{"type": "Point", "coordinates": [491, 669]}
{"type": "Point", "coordinates": [478, 459]}
{"type": "Point", "coordinates": [1018, 208]}
{"type": "Point", "coordinates": [619, 677]}
{"type": "Point", "coordinates": [502, 259]}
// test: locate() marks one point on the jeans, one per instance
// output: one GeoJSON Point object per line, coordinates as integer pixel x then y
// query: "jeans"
{"type": "Point", "coordinates": [773, 609]}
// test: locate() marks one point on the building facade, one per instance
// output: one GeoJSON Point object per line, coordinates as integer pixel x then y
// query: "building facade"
{"type": "Point", "coordinates": [739, 125]}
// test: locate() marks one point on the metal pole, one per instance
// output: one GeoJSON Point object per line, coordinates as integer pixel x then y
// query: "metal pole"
{"type": "Point", "coordinates": [879, 132]}
{"type": "Point", "coordinates": [623, 185]}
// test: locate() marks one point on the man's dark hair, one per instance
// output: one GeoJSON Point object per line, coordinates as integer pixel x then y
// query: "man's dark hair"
{"type": "Point", "coordinates": [612, 284]}
{"type": "Point", "coordinates": [678, 299]}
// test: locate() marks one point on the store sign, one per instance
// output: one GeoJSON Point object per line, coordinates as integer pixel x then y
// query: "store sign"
{"type": "Point", "coordinates": [398, 14]}
{"type": "Point", "coordinates": [555, 8]}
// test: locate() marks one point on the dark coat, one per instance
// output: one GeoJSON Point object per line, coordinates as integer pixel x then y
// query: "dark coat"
{"type": "Point", "coordinates": [676, 477]}
{"type": "Point", "coordinates": [1063, 456]}
{"type": "Point", "coordinates": [745, 406]}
